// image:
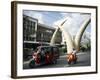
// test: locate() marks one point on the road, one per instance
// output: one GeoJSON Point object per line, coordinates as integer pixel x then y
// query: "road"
{"type": "Point", "coordinates": [84, 59]}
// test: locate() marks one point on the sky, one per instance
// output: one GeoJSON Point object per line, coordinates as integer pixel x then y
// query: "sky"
{"type": "Point", "coordinates": [52, 19]}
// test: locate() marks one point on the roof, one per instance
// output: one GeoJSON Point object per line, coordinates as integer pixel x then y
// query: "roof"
{"type": "Point", "coordinates": [46, 26]}
{"type": "Point", "coordinates": [30, 17]}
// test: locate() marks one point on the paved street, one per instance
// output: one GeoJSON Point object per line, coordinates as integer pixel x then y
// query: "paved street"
{"type": "Point", "coordinates": [84, 59]}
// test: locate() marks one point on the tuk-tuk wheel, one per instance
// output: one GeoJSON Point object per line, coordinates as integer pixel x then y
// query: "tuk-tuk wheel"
{"type": "Point", "coordinates": [75, 61]}
{"type": "Point", "coordinates": [54, 62]}
{"type": "Point", "coordinates": [69, 62]}
{"type": "Point", "coordinates": [32, 64]}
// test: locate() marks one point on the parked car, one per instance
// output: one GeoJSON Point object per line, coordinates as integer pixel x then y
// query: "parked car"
{"type": "Point", "coordinates": [44, 55]}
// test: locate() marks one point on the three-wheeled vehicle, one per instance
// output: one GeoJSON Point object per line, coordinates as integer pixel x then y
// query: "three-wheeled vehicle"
{"type": "Point", "coordinates": [71, 58]}
{"type": "Point", "coordinates": [44, 55]}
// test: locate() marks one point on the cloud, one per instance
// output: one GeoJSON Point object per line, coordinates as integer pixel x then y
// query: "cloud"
{"type": "Point", "coordinates": [34, 14]}
{"type": "Point", "coordinates": [73, 23]}
{"type": "Point", "coordinates": [59, 22]}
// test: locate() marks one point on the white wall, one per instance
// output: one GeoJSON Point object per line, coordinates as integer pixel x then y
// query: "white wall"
{"type": "Point", "coordinates": [5, 40]}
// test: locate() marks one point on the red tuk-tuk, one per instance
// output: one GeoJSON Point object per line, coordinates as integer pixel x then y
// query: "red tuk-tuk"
{"type": "Point", "coordinates": [44, 55]}
{"type": "Point", "coordinates": [71, 58]}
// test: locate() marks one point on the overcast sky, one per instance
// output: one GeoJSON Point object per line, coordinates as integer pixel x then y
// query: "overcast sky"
{"type": "Point", "coordinates": [74, 20]}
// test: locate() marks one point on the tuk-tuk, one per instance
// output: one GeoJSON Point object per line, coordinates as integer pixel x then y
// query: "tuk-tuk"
{"type": "Point", "coordinates": [71, 58]}
{"type": "Point", "coordinates": [44, 55]}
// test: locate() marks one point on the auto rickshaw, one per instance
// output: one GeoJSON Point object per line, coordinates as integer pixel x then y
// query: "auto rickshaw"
{"type": "Point", "coordinates": [72, 57]}
{"type": "Point", "coordinates": [44, 55]}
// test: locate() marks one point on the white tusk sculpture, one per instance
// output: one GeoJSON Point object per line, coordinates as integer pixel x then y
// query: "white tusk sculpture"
{"type": "Point", "coordinates": [52, 42]}
{"type": "Point", "coordinates": [80, 33]}
{"type": "Point", "coordinates": [67, 37]}
{"type": "Point", "coordinates": [68, 40]}
{"type": "Point", "coordinates": [71, 43]}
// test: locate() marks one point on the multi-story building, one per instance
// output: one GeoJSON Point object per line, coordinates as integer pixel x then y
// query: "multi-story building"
{"type": "Point", "coordinates": [29, 28]}
{"type": "Point", "coordinates": [35, 33]}
{"type": "Point", "coordinates": [45, 33]}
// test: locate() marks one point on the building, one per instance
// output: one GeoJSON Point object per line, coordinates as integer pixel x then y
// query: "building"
{"type": "Point", "coordinates": [44, 34]}
{"type": "Point", "coordinates": [35, 33]}
{"type": "Point", "coordinates": [29, 28]}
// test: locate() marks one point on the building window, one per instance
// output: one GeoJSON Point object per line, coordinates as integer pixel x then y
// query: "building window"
{"type": "Point", "coordinates": [29, 29]}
